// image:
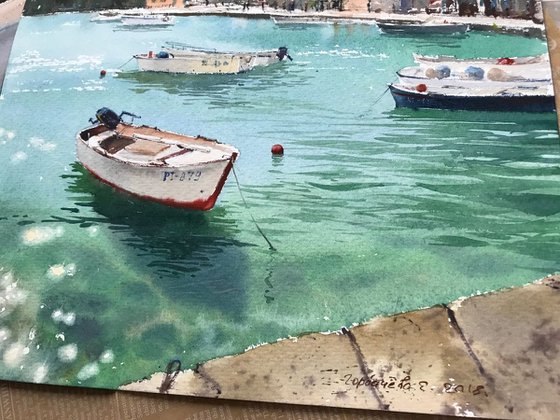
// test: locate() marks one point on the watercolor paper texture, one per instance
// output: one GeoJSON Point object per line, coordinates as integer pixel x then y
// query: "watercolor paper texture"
{"type": "Point", "coordinates": [371, 211]}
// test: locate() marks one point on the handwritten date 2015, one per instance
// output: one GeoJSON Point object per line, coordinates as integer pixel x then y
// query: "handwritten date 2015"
{"type": "Point", "coordinates": [406, 384]}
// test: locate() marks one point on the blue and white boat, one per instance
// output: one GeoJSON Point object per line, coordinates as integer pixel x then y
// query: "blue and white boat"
{"type": "Point", "coordinates": [532, 98]}
{"type": "Point", "coordinates": [473, 76]}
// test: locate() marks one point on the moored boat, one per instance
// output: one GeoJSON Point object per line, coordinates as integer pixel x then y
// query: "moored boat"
{"type": "Point", "coordinates": [173, 169]}
{"type": "Point", "coordinates": [499, 61]}
{"type": "Point", "coordinates": [181, 58]}
{"type": "Point", "coordinates": [149, 20]}
{"type": "Point", "coordinates": [423, 28]}
{"type": "Point", "coordinates": [482, 70]}
{"type": "Point", "coordinates": [106, 16]}
{"type": "Point", "coordinates": [303, 20]}
{"type": "Point", "coordinates": [474, 76]}
{"type": "Point", "coordinates": [515, 99]}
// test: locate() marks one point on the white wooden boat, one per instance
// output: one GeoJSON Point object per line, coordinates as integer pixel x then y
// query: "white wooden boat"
{"type": "Point", "coordinates": [423, 28]}
{"type": "Point", "coordinates": [441, 75]}
{"type": "Point", "coordinates": [181, 58]}
{"type": "Point", "coordinates": [480, 70]}
{"type": "Point", "coordinates": [519, 98]}
{"type": "Point", "coordinates": [303, 20]}
{"type": "Point", "coordinates": [148, 20]}
{"type": "Point", "coordinates": [500, 61]}
{"type": "Point", "coordinates": [315, 20]}
{"type": "Point", "coordinates": [107, 16]}
{"type": "Point", "coordinates": [173, 169]}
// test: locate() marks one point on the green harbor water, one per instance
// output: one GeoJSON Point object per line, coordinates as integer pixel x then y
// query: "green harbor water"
{"type": "Point", "coordinates": [373, 210]}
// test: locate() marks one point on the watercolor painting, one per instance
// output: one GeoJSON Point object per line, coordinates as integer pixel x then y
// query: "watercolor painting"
{"type": "Point", "coordinates": [187, 183]}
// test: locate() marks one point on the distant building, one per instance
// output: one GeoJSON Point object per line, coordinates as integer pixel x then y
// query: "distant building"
{"type": "Point", "coordinates": [163, 3]}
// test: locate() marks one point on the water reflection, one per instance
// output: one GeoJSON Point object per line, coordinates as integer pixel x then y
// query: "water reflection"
{"type": "Point", "coordinates": [193, 256]}
{"type": "Point", "coordinates": [212, 85]}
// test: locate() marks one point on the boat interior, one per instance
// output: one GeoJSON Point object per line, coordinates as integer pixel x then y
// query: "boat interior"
{"type": "Point", "coordinates": [132, 145]}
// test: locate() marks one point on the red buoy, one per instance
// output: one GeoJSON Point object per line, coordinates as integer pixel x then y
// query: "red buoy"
{"type": "Point", "coordinates": [277, 149]}
{"type": "Point", "coordinates": [421, 87]}
{"type": "Point", "coordinates": [102, 73]}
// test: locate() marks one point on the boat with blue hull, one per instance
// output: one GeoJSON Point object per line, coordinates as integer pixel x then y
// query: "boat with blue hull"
{"type": "Point", "coordinates": [518, 99]}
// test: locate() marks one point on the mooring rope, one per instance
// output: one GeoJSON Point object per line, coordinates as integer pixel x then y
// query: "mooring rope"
{"type": "Point", "coordinates": [375, 102]}
{"type": "Point", "coordinates": [120, 67]}
{"type": "Point", "coordinates": [247, 206]}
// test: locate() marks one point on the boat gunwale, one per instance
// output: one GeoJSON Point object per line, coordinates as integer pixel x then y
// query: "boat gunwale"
{"type": "Point", "coordinates": [454, 78]}
{"type": "Point", "coordinates": [427, 94]}
{"type": "Point", "coordinates": [230, 155]}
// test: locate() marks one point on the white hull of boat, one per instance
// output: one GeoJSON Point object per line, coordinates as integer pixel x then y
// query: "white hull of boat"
{"type": "Point", "coordinates": [451, 60]}
{"type": "Point", "coordinates": [204, 63]}
{"type": "Point", "coordinates": [106, 18]}
{"type": "Point", "coordinates": [471, 84]}
{"type": "Point", "coordinates": [536, 71]}
{"type": "Point", "coordinates": [189, 180]}
{"type": "Point", "coordinates": [491, 76]}
{"type": "Point", "coordinates": [148, 20]}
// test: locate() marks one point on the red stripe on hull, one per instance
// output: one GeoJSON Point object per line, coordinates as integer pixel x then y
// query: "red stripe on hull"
{"type": "Point", "coordinates": [200, 204]}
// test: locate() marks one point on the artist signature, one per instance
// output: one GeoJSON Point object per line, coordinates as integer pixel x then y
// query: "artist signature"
{"type": "Point", "coordinates": [406, 384]}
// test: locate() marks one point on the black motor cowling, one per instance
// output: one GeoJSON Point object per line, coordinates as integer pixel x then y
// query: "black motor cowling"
{"type": "Point", "coordinates": [283, 52]}
{"type": "Point", "coordinates": [108, 117]}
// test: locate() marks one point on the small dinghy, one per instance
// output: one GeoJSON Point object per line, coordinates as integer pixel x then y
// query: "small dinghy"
{"type": "Point", "coordinates": [173, 169]}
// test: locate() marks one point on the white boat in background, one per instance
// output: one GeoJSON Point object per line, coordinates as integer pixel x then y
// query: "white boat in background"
{"type": "Point", "coordinates": [169, 168]}
{"type": "Point", "coordinates": [500, 61]}
{"type": "Point", "coordinates": [180, 58]}
{"type": "Point", "coordinates": [303, 20]}
{"type": "Point", "coordinates": [149, 20]}
{"type": "Point", "coordinates": [423, 28]}
{"type": "Point", "coordinates": [477, 70]}
{"type": "Point", "coordinates": [441, 75]}
{"type": "Point", "coordinates": [107, 16]}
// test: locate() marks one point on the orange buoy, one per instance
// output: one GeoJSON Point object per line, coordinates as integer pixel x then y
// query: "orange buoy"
{"type": "Point", "coordinates": [421, 87]}
{"type": "Point", "coordinates": [277, 150]}
{"type": "Point", "coordinates": [102, 73]}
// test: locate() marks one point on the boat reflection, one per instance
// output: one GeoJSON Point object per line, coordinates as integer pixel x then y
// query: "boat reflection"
{"type": "Point", "coordinates": [212, 85]}
{"type": "Point", "coordinates": [191, 256]}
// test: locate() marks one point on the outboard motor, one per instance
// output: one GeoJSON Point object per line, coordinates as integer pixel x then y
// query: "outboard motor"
{"type": "Point", "coordinates": [109, 118]}
{"type": "Point", "coordinates": [283, 52]}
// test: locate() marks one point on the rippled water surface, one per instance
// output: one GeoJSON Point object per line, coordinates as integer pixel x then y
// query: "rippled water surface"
{"type": "Point", "coordinates": [372, 210]}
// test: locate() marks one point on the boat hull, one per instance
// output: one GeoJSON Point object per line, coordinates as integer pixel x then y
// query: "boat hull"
{"type": "Point", "coordinates": [505, 103]}
{"type": "Point", "coordinates": [449, 82]}
{"type": "Point", "coordinates": [147, 21]}
{"type": "Point", "coordinates": [204, 63]}
{"type": "Point", "coordinates": [452, 60]}
{"type": "Point", "coordinates": [422, 29]}
{"type": "Point", "coordinates": [195, 186]}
